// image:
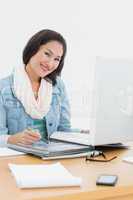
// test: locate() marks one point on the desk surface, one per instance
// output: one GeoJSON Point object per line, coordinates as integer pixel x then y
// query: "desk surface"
{"type": "Point", "coordinates": [89, 172]}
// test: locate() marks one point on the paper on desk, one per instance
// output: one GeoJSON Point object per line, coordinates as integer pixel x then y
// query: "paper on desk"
{"type": "Point", "coordinates": [51, 175]}
{"type": "Point", "coordinates": [4, 151]}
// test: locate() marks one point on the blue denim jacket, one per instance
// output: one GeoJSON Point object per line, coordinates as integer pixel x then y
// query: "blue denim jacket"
{"type": "Point", "coordinates": [14, 119]}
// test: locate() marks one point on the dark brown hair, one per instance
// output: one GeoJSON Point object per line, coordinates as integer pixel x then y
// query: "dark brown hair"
{"type": "Point", "coordinates": [40, 38]}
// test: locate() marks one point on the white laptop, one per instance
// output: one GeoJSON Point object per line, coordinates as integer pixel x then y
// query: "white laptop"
{"type": "Point", "coordinates": [111, 117]}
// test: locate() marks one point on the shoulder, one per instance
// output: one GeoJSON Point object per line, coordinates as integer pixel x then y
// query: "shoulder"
{"type": "Point", "coordinates": [59, 86]}
{"type": "Point", "coordinates": [6, 83]}
{"type": "Point", "coordinates": [60, 82]}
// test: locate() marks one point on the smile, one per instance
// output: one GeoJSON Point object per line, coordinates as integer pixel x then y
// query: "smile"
{"type": "Point", "coordinates": [43, 68]}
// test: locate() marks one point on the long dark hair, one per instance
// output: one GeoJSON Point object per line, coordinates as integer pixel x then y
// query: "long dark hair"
{"type": "Point", "coordinates": [40, 38]}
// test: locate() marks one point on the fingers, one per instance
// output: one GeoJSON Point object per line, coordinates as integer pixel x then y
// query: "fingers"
{"type": "Point", "coordinates": [32, 133]}
{"type": "Point", "coordinates": [25, 137]}
{"type": "Point", "coordinates": [30, 137]}
{"type": "Point", "coordinates": [28, 140]}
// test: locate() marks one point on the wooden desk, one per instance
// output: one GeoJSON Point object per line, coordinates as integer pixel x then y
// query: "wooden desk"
{"type": "Point", "coordinates": [78, 167]}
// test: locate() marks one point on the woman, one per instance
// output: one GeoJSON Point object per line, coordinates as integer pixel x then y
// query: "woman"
{"type": "Point", "coordinates": [33, 100]}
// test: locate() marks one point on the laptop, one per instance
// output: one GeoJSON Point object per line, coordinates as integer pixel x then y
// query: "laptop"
{"type": "Point", "coordinates": [111, 116]}
{"type": "Point", "coordinates": [112, 109]}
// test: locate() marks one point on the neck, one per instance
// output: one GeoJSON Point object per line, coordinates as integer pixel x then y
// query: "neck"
{"type": "Point", "coordinates": [32, 76]}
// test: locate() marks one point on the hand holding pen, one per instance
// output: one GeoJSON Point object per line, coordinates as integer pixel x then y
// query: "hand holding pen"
{"type": "Point", "coordinates": [28, 136]}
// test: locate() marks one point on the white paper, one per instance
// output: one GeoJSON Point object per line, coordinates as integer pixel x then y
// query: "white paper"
{"type": "Point", "coordinates": [4, 151]}
{"type": "Point", "coordinates": [52, 175]}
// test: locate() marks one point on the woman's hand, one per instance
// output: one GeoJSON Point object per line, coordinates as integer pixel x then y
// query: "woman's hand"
{"type": "Point", "coordinates": [25, 137]}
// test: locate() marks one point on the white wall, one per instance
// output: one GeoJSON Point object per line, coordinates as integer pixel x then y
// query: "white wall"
{"type": "Point", "coordinates": [91, 27]}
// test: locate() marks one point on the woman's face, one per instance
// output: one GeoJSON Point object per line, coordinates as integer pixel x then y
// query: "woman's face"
{"type": "Point", "coordinates": [47, 59]}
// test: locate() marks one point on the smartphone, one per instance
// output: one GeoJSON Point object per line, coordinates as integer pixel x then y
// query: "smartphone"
{"type": "Point", "coordinates": [106, 179]}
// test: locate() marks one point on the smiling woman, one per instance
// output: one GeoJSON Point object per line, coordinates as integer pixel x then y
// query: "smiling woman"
{"type": "Point", "coordinates": [39, 91]}
{"type": "Point", "coordinates": [45, 61]}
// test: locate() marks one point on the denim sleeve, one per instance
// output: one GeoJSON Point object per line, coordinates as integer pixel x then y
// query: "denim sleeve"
{"type": "Point", "coordinates": [3, 127]}
{"type": "Point", "coordinates": [64, 124]}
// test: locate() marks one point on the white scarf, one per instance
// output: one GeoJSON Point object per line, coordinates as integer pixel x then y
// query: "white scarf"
{"type": "Point", "coordinates": [37, 109]}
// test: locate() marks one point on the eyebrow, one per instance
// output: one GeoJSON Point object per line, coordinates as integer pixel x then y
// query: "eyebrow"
{"type": "Point", "coordinates": [53, 53]}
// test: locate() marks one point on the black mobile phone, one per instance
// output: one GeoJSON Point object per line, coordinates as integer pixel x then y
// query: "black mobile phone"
{"type": "Point", "coordinates": [106, 179]}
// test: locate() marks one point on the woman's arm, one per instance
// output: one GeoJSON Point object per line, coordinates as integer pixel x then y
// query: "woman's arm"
{"type": "Point", "coordinates": [3, 127]}
{"type": "Point", "coordinates": [65, 116]}
{"type": "Point", "coordinates": [64, 123]}
{"type": "Point", "coordinates": [25, 137]}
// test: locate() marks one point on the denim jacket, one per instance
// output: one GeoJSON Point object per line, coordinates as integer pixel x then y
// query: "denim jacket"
{"type": "Point", "coordinates": [14, 119]}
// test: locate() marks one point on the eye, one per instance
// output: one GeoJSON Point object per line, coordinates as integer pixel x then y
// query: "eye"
{"type": "Point", "coordinates": [57, 59]}
{"type": "Point", "coordinates": [47, 53]}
